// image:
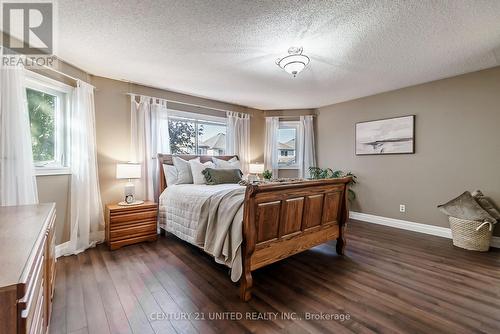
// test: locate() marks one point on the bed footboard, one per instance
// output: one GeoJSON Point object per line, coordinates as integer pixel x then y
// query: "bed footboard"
{"type": "Point", "coordinates": [281, 220]}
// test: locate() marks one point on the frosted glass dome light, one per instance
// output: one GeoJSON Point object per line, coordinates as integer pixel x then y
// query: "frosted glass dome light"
{"type": "Point", "coordinates": [295, 62]}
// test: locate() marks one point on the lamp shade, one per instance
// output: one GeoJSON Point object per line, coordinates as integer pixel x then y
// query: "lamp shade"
{"type": "Point", "coordinates": [128, 171]}
{"type": "Point", "coordinates": [294, 64]}
{"type": "Point", "coordinates": [256, 168]}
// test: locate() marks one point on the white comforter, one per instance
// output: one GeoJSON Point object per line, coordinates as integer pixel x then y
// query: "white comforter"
{"type": "Point", "coordinates": [208, 216]}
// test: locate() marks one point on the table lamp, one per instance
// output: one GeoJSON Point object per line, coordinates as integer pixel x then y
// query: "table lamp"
{"type": "Point", "coordinates": [129, 171]}
{"type": "Point", "coordinates": [254, 171]}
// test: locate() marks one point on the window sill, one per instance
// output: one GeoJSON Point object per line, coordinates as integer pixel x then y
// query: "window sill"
{"type": "Point", "coordinates": [288, 168]}
{"type": "Point", "coordinates": [46, 171]}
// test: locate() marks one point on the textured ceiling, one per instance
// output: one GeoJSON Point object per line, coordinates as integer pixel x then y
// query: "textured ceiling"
{"type": "Point", "coordinates": [226, 49]}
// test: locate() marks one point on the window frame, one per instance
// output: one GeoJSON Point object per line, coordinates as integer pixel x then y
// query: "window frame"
{"type": "Point", "coordinates": [63, 92]}
{"type": "Point", "coordinates": [198, 119]}
{"type": "Point", "coordinates": [290, 125]}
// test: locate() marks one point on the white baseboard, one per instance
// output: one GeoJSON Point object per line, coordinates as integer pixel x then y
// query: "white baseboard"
{"type": "Point", "coordinates": [410, 226]}
{"type": "Point", "coordinates": [61, 249]}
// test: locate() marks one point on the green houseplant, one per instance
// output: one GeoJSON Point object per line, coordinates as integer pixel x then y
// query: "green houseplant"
{"type": "Point", "coordinates": [267, 174]}
{"type": "Point", "coordinates": [328, 173]}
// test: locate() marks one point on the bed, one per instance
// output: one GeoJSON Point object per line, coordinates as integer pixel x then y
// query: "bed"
{"type": "Point", "coordinates": [264, 223]}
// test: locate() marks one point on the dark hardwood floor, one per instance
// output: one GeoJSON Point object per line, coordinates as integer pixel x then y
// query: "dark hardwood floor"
{"type": "Point", "coordinates": [390, 281]}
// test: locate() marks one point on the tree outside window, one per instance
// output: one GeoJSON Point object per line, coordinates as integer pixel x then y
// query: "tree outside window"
{"type": "Point", "coordinates": [41, 107]}
{"type": "Point", "coordinates": [196, 137]}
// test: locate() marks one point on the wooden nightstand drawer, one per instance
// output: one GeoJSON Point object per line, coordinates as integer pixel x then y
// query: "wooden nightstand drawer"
{"type": "Point", "coordinates": [129, 241]}
{"type": "Point", "coordinates": [133, 231]}
{"type": "Point", "coordinates": [119, 226]}
{"type": "Point", "coordinates": [127, 225]}
{"type": "Point", "coordinates": [141, 215]}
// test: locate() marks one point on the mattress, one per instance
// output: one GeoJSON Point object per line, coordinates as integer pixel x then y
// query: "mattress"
{"type": "Point", "coordinates": [186, 202]}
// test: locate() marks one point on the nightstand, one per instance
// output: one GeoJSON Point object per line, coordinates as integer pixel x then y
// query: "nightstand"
{"type": "Point", "coordinates": [126, 225]}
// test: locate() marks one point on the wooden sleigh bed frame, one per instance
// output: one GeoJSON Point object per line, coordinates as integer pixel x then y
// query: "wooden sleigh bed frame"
{"type": "Point", "coordinates": [283, 219]}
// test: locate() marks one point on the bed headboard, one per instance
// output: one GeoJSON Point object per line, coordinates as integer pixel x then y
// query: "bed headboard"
{"type": "Point", "coordinates": [166, 159]}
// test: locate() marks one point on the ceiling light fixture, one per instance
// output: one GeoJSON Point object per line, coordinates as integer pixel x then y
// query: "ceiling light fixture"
{"type": "Point", "coordinates": [294, 62]}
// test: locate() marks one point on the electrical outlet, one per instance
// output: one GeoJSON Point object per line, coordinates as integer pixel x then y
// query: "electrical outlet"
{"type": "Point", "coordinates": [402, 208]}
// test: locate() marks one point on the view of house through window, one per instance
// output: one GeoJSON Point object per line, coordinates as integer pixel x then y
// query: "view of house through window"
{"type": "Point", "coordinates": [287, 145]}
{"type": "Point", "coordinates": [212, 139]}
{"type": "Point", "coordinates": [195, 136]}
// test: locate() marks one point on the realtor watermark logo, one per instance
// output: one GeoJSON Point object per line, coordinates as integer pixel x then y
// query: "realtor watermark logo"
{"type": "Point", "coordinates": [28, 32]}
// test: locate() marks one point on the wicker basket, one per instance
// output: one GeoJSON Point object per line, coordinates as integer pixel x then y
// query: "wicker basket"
{"type": "Point", "coordinates": [470, 234]}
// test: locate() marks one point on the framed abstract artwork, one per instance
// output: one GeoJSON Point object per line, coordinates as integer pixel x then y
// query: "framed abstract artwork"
{"type": "Point", "coordinates": [386, 136]}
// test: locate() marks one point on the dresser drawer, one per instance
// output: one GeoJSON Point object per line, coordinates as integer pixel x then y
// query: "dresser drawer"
{"type": "Point", "coordinates": [50, 274]}
{"type": "Point", "coordinates": [25, 241]}
{"type": "Point", "coordinates": [29, 304]}
{"type": "Point", "coordinates": [38, 322]}
{"type": "Point", "coordinates": [135, 216]}
{"type": "Point", "coordinates": [35, 261]}
{"type": "Point", "coordinates": [134, 231]}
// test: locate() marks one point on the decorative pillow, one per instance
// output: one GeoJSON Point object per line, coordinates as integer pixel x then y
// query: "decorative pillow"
{"type": "Point", "coordinates": [223, 175]}
{"type": "Point", "coordinates": [170, 174]}
{"type": "Point", "coordinates": [232, 163]}
{"type": "Point", "coordinates": [466, 207]}
{"type": "Point", "coordinates": [197, 168]}
{"type": "Point", "coordinates": [184, 174]}
{"type": "Point", "coordinates": [486, 204]}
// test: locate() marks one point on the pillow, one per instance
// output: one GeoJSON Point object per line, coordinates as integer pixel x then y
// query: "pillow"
{"type": "Point", "coordinates": [486, 204]}
{"type": "Point", "coordinates": [197, 168]}
{"type": "Point", "coordinates": [220, 176]}
{"type": "Point", "coordinates": [466, 207]}
{"type": "Point", "coordinates": [170, 174]}
{"type": "Point", "coordinates": [233, 163]}
{"type": "Point", "coordinates": [184, 174]}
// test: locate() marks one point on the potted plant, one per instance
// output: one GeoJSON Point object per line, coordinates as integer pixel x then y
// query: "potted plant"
{"type": "Point", "coordinates": [328, 173]}
{"type": "Point", "coordinates": [267, 174]}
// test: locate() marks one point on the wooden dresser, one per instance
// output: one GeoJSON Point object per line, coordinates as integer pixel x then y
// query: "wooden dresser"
{"type": "Point", "coordinates": [127, 225]}
{"type": "Point", "coordinates": [27, 262]}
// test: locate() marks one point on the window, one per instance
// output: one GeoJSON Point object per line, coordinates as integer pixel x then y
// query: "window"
{"type": "Point", "coordinates": [196, 134]}
{"type": "Point", "coordinates": [287, 145]}
{"type": "Point", "coordinates": [47, 102]}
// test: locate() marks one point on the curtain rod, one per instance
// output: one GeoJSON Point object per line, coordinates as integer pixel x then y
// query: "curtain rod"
{"type": "Point", "coordinates": [58, 72]}
{"type": "Point", "coordinates": [185, 103]}
{"type": "Point", "coordinates": [292, 116]}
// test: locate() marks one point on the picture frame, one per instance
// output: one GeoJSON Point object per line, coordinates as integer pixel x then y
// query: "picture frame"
{"type": "Point", "coordinates": [386, 136]}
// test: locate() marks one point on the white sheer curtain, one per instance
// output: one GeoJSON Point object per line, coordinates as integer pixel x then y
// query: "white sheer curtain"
{"type": "Point", "coordinates": [148, 137]}
{"type": "Point", "coordinates": [238, 137]}
{"type": "Point", "coordinates": [17, 179]}
{"type": "Point", "coordinates": [271, 145]}
{"type": "Point", "coordinates": [307, 153]}
{"type": "Point", "coordinates": [87, 221]}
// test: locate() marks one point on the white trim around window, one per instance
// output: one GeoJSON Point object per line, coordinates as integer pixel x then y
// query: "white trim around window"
{"type": "Point", "coordinates": [63, 92]}
{"type": "Point", "coordinates": [46, 171]}
{"type": "Point", "coordinates": [200, 119]}
{"type": "Point", "coordinates": [291, 125]}
{"type": "Point", "coordinates": [195, 116]}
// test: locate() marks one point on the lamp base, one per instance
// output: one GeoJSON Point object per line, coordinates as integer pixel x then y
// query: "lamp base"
{"type": "Point", "coordinates": [130, 204]}
{"type": "Point", "coordinates": [253, 178]}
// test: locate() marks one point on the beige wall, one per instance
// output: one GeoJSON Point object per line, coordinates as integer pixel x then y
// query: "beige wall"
{"type": "Point", "coordinates": [56, 188]}
{"type": "Point", "coordinates": [113, 127]}
{"type": "Point", "coordinates": [113, 137]}
{"type": "Point", "coordinates": [457, 146]}
{"type": "Point", "coordinates": [455, 117]}
{"type": "Point", "coordinates": [290, 115]}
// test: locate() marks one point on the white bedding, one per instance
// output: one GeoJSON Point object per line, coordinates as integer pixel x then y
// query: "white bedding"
{"type": "Point", "coordinates": [208, 216]}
